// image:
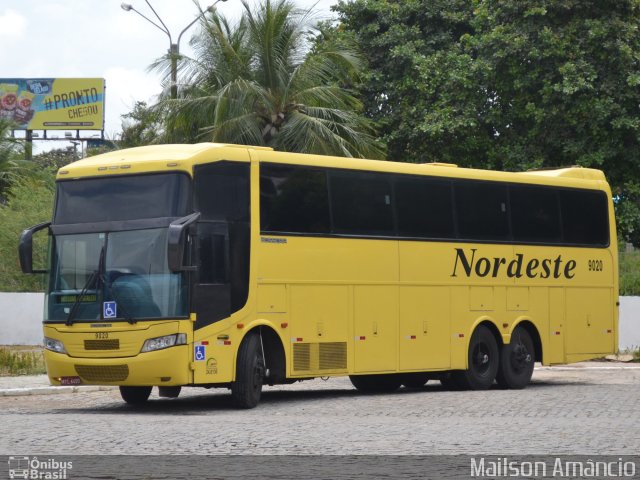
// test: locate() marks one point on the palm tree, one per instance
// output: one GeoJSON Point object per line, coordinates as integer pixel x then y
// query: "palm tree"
{"type": "Point", "coordinates": [267, 80]}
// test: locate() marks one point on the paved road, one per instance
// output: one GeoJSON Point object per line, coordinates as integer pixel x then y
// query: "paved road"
{"type": "Point", "coordinates": [565, 411]}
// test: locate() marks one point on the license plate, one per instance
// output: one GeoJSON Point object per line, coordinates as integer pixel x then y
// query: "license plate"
{"type": "Point", "coordinates": [70, 381]}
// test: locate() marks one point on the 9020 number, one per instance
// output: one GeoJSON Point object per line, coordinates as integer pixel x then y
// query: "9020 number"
{"type": "Point", "coordinates": [595, 265]}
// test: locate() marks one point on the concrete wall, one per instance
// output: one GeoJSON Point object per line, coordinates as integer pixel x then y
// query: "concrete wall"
{"type": "Point", "coordinates": [21, 320]}
{"type": "Point", "coordinates": [629, 335]}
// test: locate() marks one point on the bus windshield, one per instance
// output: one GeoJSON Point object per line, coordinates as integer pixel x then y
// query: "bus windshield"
{"type": "Point", "coordinates": [125, 198]}
{"type": "Point", "coordinates": [109, 248]}
{"type": "Point", "coordinates": [132, 282]}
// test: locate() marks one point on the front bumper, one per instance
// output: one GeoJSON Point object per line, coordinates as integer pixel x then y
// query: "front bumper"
{"type": "Point", "coordinates": [168, 367]}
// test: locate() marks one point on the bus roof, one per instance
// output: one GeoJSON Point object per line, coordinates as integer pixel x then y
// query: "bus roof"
{"type": "Point", "coordinates": [182, 157]}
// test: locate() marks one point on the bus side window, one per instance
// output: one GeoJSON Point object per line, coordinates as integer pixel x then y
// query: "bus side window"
{"type": "Point", "coordinates": [535, 214]}
{"type": "Point", "coordinates": [481, 209]}
{"type": "Point", "coordinates": [361, 203]}
{"type": "Point", "coordinates": [584, 217]}
{"type": "Point", "coordinates": [293, 199]}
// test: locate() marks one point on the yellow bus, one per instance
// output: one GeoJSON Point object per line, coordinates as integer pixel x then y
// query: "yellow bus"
{"type": "Point", "coordinates": [231, 266]}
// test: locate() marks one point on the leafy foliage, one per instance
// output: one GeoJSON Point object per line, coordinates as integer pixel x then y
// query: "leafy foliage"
{"type": "Point", "coordinates": [10, 151]}
{"type": "Point", "coordinates": [629, 272]}
{"type": "Point", "coordinates": [54, 159]}
{"type": "Point", "coordinates": [507, 85]}
{"type": "Point", "coordinates": [30, 202]}
{"type": "Point", "coordinates": [141, 126]}
{"type": "Point", "coordinates": [258, 82]}
{"type": "Point", "coordinates": [21, 362]}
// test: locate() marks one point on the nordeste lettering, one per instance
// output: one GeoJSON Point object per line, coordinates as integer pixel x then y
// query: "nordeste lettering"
{"type": "Point", "coordinates": [517, 267]}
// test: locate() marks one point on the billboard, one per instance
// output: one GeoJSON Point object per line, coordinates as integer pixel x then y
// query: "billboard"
{"type": "Point", "coordinates": [53, 103]}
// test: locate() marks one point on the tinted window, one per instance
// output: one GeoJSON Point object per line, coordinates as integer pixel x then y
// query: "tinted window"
{"type": "Point", "coordinates": [482, 211]}
{"type": "Point", "coordinates": [424, 207]}
{"type": "Point", "coordinates": [223, 249]}
{"type": "Point", "coordinates": [534, 214]}
{"type": "Point", "coordinates": [293, 199]}
{"type": "Point", "coordinates": [361, 203]}
{"type": "Point", "coordinates": [222, 191]}
{"type": "Point", "coordinates": [584, 217]}
{"type": "Point", "coordinates": [122, 198]}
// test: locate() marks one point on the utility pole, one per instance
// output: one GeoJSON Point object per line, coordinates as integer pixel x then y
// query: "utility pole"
{"type": "Point", "coordinates": [174, 48]}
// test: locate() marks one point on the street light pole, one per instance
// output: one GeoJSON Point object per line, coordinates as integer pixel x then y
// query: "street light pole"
{"type": "Point", "coordinates": [174, 48]}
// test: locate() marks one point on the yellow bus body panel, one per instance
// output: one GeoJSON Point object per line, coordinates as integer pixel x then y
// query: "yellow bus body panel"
{"type": "Point", "coordinates": [355, 305]}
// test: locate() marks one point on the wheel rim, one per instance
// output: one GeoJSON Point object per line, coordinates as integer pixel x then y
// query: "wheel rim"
{"type": "Point", "coordinates": [481, 359]}
{"type": "Point", "coordinates": [258, 375]}
{"type": "Point", "coordinates": [520, 357]}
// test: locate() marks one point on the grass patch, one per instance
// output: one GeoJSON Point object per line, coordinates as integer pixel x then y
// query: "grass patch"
{"type": "Point", "coordinates": [630, 273]}
{"type": "Point", "coordinates": [21, 361]}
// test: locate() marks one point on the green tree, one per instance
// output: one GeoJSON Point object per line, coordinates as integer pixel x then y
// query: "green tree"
{"type": "Point", "coordinates": [52, 160]}
{"type": "Point", "coordinates": [507, 85]}
{"type": "Point", "coordinates": [29, 202]}
{"type": "Point", "coordinates": [141, 126]}
{"type": "Point", "coordinates": [10, 151]}
{"type": "Point", "coordinates": [420, 86]}
{"type": "Point", "coordinates": [259, 82]}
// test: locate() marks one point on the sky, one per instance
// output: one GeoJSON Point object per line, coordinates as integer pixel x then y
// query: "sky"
{"type": "Point", "coordinates": [98, 39]}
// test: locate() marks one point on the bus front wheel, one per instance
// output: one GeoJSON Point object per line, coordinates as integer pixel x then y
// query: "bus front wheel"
{"type": "Point", "coordinates": [250, 370]}
{"type": "Point", "coordinates": [135, 395]}
{"type": "Point", "coordinates": [516, 361]}
{"type": "Point", "coordinates": [483, 361]}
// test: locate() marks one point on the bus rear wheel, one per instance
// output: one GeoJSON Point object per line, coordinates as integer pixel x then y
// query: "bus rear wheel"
{"type": "Point", "coordinates": [517, 359]}
{"type": "Point", "coordinates": [246, 390]}
{"type": "Point", "coordinates": [483, 361]}
{"type": "Point", "coordinates": [376, 383]}
{"type": "Point", "coordinates": [135, 395]}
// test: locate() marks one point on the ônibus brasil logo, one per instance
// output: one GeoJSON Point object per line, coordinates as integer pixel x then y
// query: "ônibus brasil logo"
{"type": "Point", "coordinates": [34, 468]}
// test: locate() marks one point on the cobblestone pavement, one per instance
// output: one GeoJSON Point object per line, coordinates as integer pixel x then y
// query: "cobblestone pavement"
{"type": "Point", "coordinates": [564, 411]}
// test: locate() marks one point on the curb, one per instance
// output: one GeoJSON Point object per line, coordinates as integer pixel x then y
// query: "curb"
{"type": "Point", "coordinates": [19, 392]}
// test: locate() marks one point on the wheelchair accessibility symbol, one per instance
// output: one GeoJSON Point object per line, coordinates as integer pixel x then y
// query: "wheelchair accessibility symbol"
{"type": "Point", "coordinates": [199, 353]}
{"type": "Point", "coordinates": [109, 310]}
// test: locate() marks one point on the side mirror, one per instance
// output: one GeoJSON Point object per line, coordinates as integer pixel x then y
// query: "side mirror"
{"type": "Point", "coordinates": [25, 248]}
{"type": "Point", "coordinates": [176, 241]}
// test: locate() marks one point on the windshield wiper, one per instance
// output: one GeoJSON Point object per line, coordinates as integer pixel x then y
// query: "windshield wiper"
{"type": "Point", "coordinates": [78, 301]}
{"type": "Point", "coordinates": [94, 277]}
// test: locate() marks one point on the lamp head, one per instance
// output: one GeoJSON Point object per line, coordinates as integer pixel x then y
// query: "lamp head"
{"type": "Point", "coordinates": [126, 7]}
{"type": "Point", "coordinates": [211, 8]}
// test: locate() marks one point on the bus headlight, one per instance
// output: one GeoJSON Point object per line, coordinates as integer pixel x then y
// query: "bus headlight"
{"type": "Point", "coordinates": [167, 341]}
{"type": "Point", "coordinates": [54, 345]}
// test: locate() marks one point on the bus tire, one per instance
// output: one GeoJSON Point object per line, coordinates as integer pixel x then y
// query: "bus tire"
{"type": "Point", "coordinates": [135, 395]}
{"type": "Point", "coordinates": [250, 370]}
{"type": "Point", "coordinates": [382, 383]}
{"type": "Point", "coordinates": [484, 360]}
{"type": "Point", "coordinates": [517, 359]}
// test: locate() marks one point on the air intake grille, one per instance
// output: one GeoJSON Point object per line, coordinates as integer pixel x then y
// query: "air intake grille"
{"type": "Point", "coordinates": [319, 357]}
{"type": "Point", "coordinates": [302, 356]}
{"type": "Point", "coordinates": [333, 356]}
{"type": "Point", "coordinates": [103, 373]}
{"type": "Point", "coordinates": [102, 344]}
